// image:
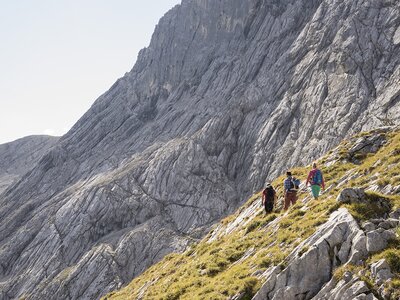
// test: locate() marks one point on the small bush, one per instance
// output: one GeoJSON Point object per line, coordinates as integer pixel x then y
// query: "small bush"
{"type": "Point", "coordinates": [303, 250]}
{"type": "Point", "coordinates": [334, 207]}
{"type": "Point", "coordinates": [338, 273]}
{"type": "Point", "coordinates": [382, 182]}
{"type": "Point", "coordinates": [269, 219]}
{"type": "Point", "coordinates": [286, 223]}
{"type": "Point", "coordinates": [393, 259]}
{"type": "Point", "coordinates": [252, 226]}
{"type": "Point", "coordinates": [249, 288]}
{"type": "Point", "coordinates": [266, 262]}
{"type": "Point", "coordinates": [233, 255]}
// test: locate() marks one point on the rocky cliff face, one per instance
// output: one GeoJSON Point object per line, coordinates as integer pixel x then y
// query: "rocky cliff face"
{"type": "Point", "coordinates": [18, 157]}
{"type": "Point", "coordinates": [227, 95]}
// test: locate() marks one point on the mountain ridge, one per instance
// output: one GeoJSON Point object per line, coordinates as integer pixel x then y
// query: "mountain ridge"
{"type": "Point", "coordinates": [19, 156]}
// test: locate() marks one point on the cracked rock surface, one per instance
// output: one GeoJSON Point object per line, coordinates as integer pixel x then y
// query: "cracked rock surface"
{"type": "Point", "coordinates": [308, 275]}
{"type": "Point", "coordinates": [330, 247]}
{"type": "Point", "coordinates": [227, 95]}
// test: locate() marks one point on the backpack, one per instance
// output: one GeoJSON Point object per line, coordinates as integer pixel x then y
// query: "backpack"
{"type": "Point", "coordinates": [295, 183]}
{"type": "Point", "coordinates": [269, 194]}
{"type": "Point", "coordinates": [317, 177]}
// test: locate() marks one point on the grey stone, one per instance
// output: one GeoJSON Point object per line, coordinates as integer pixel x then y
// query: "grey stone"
{"type": "Point", "coordinates": [381, 270]}
{"type": "Point", "coordinates": [347, 276]}
{"type": "Point", "coordinates": [358, 288]}
{"type": "Point", "coordinates": [359, 248]}
{"type": "Point", "coordinates": [376, 241]}
{"type": "Point", "coordinates": [368, 226]}
{"type": "Point", "coordinates": [395, 214]}
{"type": "Point", "coordinates": [368, 144]}
{"type": "Point", "coordinates": [352, 195]}
{"type": "Point", "coordinates": [377, 221]}
{"type": "Point", "coordinates": [388, 224]}
{"type": "Point", "coordinates": [389, 234]}
{"type": "Point", "coordinates": [345, 290]}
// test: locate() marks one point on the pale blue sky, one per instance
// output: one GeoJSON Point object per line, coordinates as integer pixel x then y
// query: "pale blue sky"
{"type": "Point", "coordinates": [58, 56]}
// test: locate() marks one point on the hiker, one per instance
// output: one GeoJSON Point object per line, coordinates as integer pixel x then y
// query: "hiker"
{"type": "Point", "coordinates": [290, 185]}
{"type": "Point", "coordinates": [316, 179]}
{"type": "Point", "coordinates": [268, 198]}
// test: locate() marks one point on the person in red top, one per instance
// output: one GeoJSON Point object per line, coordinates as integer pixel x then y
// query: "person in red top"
{"type": "Point", "coordinates": [316, 179]}
{"type": "Point", "coordinates": [269, 198]}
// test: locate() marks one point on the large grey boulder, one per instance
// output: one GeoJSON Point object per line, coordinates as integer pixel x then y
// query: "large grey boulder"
{"type": "Point", "coordinates": [329, 247]}
{"type": "Point", "coordinates": [369, 144]}
{"type": "Point", "coordinates": [352, 195]}
{"type": "Point", "coordinates": [378, 239]}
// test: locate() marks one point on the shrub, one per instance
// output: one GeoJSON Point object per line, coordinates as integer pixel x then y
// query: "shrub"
{"type": "Point", "coordinates": [252, 226]}
{"type": "Point", "coordinates": [392, 257]}
{"type": "Point", "coordinates": [249, 288]}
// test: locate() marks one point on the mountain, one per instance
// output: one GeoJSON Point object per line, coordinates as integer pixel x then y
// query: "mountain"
{"type": "Point", "coordinates": [227, 96]}
{"type": "Point", "coordinates": [345, 245]}
{"type": "Point", "coordinates": [18, 157]}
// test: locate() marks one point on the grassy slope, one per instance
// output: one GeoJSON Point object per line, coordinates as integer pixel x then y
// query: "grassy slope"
{"type": "Point", "coordinates": [229, 260]}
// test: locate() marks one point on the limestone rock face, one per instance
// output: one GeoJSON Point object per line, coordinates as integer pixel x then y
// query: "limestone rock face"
{"type": "Point", "coordinates": [309, 268]}
{"type": "Point", "coordinates": [227, 95]}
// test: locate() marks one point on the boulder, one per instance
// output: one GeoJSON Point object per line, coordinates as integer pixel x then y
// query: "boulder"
{"type": "Point", "coordinates": [368, 144]}
{"type": "Point", "coordinates": [376, 241]}
{"type": "Point", "coordinates": [389, 223]}
{"type": "Point", "coordinates": [359, 248]}
{"type": "Point", "coordinates": [381, 272]}
{"type": "Point", "coordinates": [349, 288]}
{"type": "Point", "coordinates": [395, 214]}
{"type": "Point", "coordinates": [368, 226]}
{"type": "Point", "coordinates": [352, 195]}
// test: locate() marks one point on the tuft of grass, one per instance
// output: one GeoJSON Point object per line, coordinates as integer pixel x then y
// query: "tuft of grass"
{"type": "Point", "coordinates": [377, 206]}
{"type": "Point", "coordinates": [382, 182]}
{"type": "Point", "coordinates": [250, 287]}
{"type": "Point", "coordinates": [392, 256]}
{"type": "Point", "coordinates": [339, 272]}
{"type": "Point", "coordinates": [252, 226]}
{"type": "Point", "coordinates": [303, 250]}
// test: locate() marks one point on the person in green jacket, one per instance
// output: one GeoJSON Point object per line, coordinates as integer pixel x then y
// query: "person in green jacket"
{"type": "Point", "coordinates": [316, 180]}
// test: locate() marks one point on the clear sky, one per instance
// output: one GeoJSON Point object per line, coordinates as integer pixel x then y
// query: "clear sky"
{"type": "Point", "coordinates": [58, 56]}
